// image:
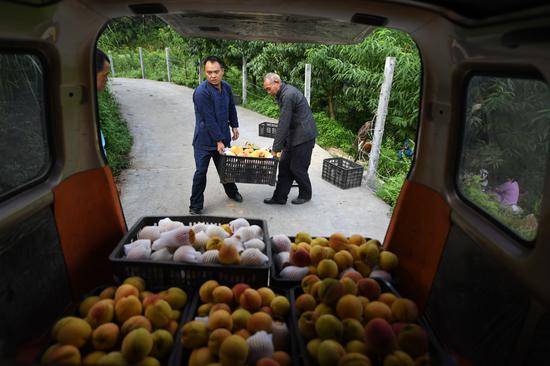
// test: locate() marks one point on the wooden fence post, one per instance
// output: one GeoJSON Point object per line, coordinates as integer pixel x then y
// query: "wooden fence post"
{"type": "Point", "coordinates": [381, 113]}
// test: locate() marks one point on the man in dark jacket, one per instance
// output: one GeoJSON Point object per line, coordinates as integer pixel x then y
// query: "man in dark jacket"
{"type": "Point", "coordinates": [214, 112]}
{"type": "Point", "coordinates": [295, 138]}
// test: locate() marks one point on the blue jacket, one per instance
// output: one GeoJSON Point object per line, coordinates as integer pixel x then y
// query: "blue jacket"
{"type": "Point", "coordinates": [214, 112]}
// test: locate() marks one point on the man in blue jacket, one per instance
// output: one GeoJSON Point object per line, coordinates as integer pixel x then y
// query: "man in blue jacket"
{"type": "Point", "coordinates": [214, 112]}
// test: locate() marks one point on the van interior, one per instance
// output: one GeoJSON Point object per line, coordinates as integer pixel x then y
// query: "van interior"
{"type": "Point", "coordinates": [478, 279]}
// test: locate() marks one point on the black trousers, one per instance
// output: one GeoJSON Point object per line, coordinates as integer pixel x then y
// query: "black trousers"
{"type": "Point", "coordinates": [293, 166]}
{"type": "Point", "coordinates": [202, 160]}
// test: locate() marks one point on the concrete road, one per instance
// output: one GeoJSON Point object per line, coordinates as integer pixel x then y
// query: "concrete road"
{"type": "Point", "coordinates": [161, 118]}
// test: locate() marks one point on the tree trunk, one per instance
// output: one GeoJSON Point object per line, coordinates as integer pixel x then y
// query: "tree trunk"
{"type": "Point", "coordinates": [331, 106]}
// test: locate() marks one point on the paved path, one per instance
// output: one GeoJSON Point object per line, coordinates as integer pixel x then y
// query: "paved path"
{"type": "Point", "coordinates": [161, 118]}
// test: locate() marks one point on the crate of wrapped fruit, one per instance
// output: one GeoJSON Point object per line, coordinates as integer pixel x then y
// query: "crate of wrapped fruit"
{"type": "Point", "coordinates": [248, 164]}
{"type": "Point", "coordinates": [238, 325]}
{"type": "Point", "coordinates": [119, 325]}
{"type": "Point", "coordinates": [187, 250]}
{"type": "Point", "coordinates": [335, 256]}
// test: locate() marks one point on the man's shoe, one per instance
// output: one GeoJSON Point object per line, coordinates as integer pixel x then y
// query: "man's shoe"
{"type": "Point", "coordinates": [271, 201]}
{"type": "Point", "coordinates": [237, 197]}
{"type": "Point", "coordinates": [195, 211]}
{"type": "Point", "coordinates": [300, 200]}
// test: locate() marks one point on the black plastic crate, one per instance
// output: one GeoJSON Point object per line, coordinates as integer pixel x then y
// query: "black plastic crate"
{"type": "Point", "coordinates": [180, 355]}
{"type": "Point", "coordinates": [267, 129]}
{"type": "Point", "coordinates": [240, 169]}
{"type": "Point", "coordinates": [438, 356]}
{"type": "Point", "coordinates": [342, 172]}
{"type": "Point", "coordinates": [168, 273]}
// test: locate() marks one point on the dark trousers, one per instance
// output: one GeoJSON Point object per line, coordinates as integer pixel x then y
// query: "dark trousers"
{"type": "Point", "coordinates": [202, 160]}
{"type": "Point", "coordinates": [293, 166]}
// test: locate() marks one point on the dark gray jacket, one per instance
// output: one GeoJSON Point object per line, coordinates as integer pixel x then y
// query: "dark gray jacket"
{"type": "Point", "coordinates": [296, 123]}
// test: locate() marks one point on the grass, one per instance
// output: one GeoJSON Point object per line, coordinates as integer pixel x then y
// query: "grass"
{"type": "Point", "coordinates": [118, 140]}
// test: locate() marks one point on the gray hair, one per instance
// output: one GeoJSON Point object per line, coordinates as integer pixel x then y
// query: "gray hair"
{"type": "Point", "coordinates": [272, 77]}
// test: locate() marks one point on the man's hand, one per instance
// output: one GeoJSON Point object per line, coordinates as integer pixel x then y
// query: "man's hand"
{"type": "Point", "coordinates": [235, 133]}
{"type": "Point", "coordinates": [220, 147]}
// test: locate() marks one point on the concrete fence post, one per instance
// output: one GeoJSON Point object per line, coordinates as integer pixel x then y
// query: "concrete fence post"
{"type": "Point", "coordinates": [381, 113]}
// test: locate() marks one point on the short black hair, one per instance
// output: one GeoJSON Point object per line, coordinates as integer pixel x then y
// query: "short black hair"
{"type": "Point", "coordinates": [100, 58]}
{"type": "Point", "coordinates": [213, 59]}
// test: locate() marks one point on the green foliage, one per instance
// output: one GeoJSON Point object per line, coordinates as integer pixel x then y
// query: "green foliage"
{"type": "Point", "coordinates": [508, 129]}
{"type": "Point", "coordinates": [118, 140]}
{"type": "Point", "coordinates": [333, 134]}
{"type": "Point", "coordinates": [389, 190]}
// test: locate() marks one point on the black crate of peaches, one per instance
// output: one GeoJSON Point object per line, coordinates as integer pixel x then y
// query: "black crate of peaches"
{"type": "Point", "coordinates": [119, 326]}
{"type": "Point", "coordinates": [363, 323]}
{"type": "Point", "coordinates": [337, 256]}
{"type": "Point", "coordinates": [238, 326]}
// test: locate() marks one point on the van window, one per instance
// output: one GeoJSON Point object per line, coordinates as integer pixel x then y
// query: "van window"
{"type": "Point", "coordinates": [24, 150]}
{"type": "Point", "coordinates": [505, 150]}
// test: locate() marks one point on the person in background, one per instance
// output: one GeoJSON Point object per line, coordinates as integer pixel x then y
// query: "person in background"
{"type": "Point", "coordinates": [102, 68]}
{"type": "Point", "coordinates": [215, 113]}
{"type": "Point", "coordinates": [295, 139]}
{"type": "Point", "coordinates": [508, 194]}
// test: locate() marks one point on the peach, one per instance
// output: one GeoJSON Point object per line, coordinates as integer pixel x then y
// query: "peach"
{"type": "Point", "coordinates": [267, 295]}
{"type": "Point", "coordinates": [126, 290]}
{"type": "Point", "coordinates": [259, 321]}
{"type": "Point", "coordinates": [300, 257]}
{"type": "Point", "coordinates": [343, 260]}
{"type": "Point", "coordinates": [323, 309]}
{"type": "Point", "coordinates": [92, 358]}
{"type": "Point", "coordinates": [380, 337]}
{"type": "Point", "coordinates": [350, 287]}
{"type": "Point", "coordinates": [413, 339]}
{"type": "Point", "coordinates": [228, 254]}
{"type": "Point", "coordinates": [338, 242]}
{"type": "Point", "coordinates": [222, 294]}
{"type": "Point", "coordinates": [305, 302]}
{"type": "Point", "coordinates": [306, 324]}
{"type": "Point", "coordinates": [356, 346]}
{"type": "Point", "coordinates": [243, 333]}
{"type": "Point", "coordinates": [60, 354]}
{"type": "Point", "coordinates": [233, 351]}
{"type": "Point", "coordinates": [205, 291]}
{"type": "Point", "coordinates": [267, 362]}
{"type": "Point", "coordinates": [329, 352]}
{"type": "Point", "coordinates": [369, 288]}
{"type": "Point", "coordinates": [204, 309]}
{"type": "Point", "coordinates": [163, 341]}
{"type": "Point", "coordinates": [387, 298]}
{"type": "Point", "coordinates": [388, 261]}
{"type": "Point", "coordinates": [127, 307]}
{"type": "Point", "coordinates": [105, 336]}
{"type": "Point", "coordinates": [72, 330]}
{"type": "Point", "coordinates": [251, 300]}
{"type": "Point", "coordinates": [377, 309]}
{"type": "Point", "coordinates": [200, 357]}
{"type": "Point", "coordinates": [137, 345]}
{"type": "Point", "coordinates": [398, 358]}
{"type": "Point", "coordinates": [135, 322]}
{"type": "Point", "coordinates": [404, 310]}
{"type": "Point", "coordinates": [194, 334]}
{"type": "Point", "coordinates": [307, 282]}
{"type": "Point", "coordinates": [327, 268]}
{"type": "Point", "coordinates": [330, 291]}
{"type": "Point", "coordinates": [353, 274]}
{"type": "Point", "coordinates": [353, 330]}
{"type": "Point", "coordinates": [329, 327]}
{"type": "Point", "coordinates": [349, 306]}
{"type": "Point", "coordinates": [216, 339]}
{"type": "Point", "coordinates": [238, 289]}
{"type": "Point", "coordinates": [159, 313]}
{"type": "Point", "coordinates": [316, 254]}
{"type": "Point", "coordinates": [220, 319]}
{"type": "Point", "coordinates": [108, 293]}
{"type": "Point", "coordinates": [100, 313]}
{"type": "Point", "coordinates": [362, 267]}
{"type": "Point", "coordinates": [357, 239]}
{"type": "Point", "coordinates": [220, 306]}
{"type": "Point", "coordinates": [86, 305]}
{"type": "Point", "coordinates": [137, 282]}
{"type": "Point", "coordinates": [282, 358]}
{"type": "Point", "coordinates": [176, 297]}
{"type": "Point", "coordinates": [280, 306]}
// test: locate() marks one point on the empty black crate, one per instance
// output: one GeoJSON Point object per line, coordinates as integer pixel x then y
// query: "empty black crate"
{"type": "Point", "coordinates": [240, 169]}
{"type": "Point", "coordinates": [169, 273]}
{"type": "Point", "coordinates": [267, 129]}
{"type": "Point", "coordinates": [342, 172]}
